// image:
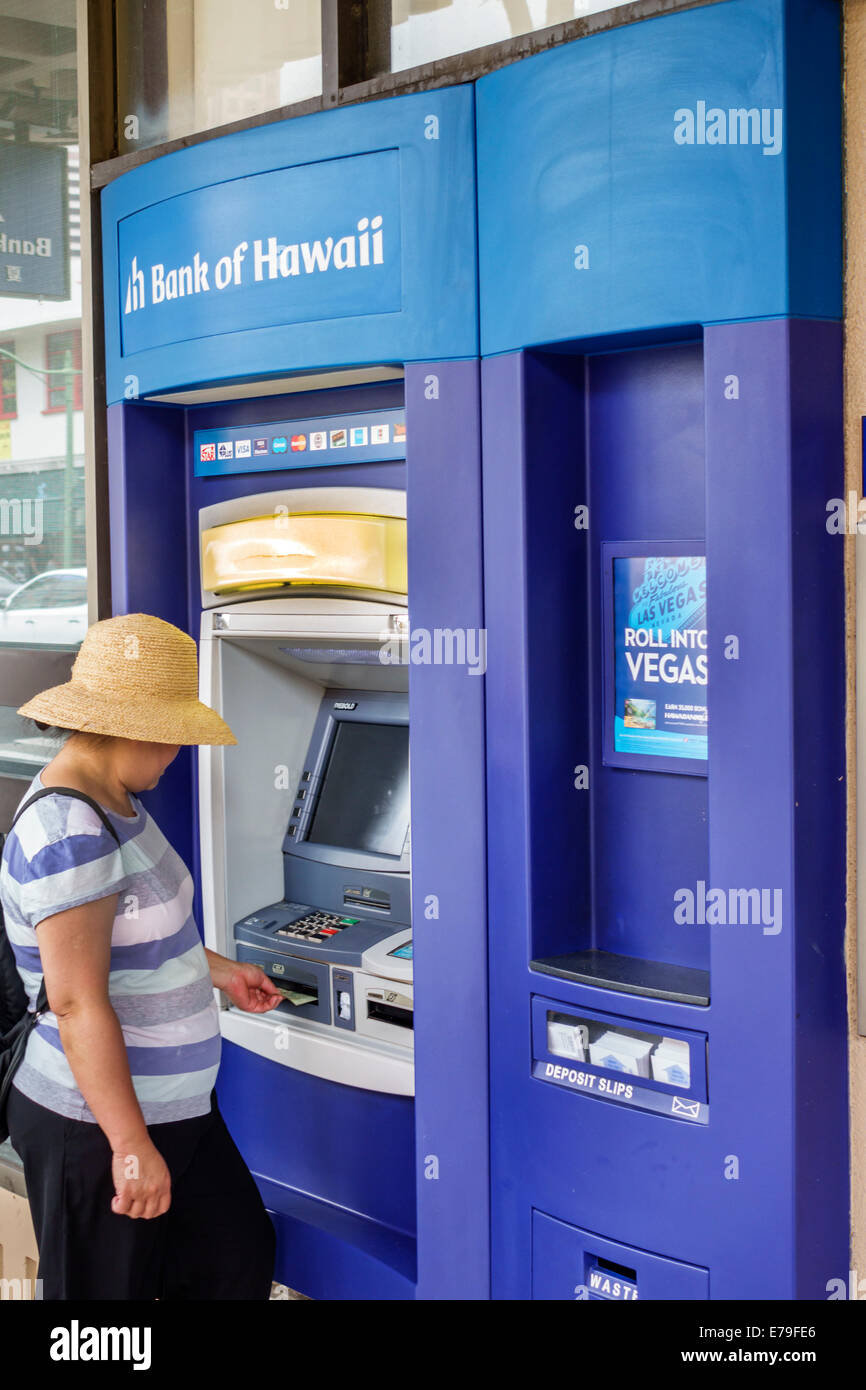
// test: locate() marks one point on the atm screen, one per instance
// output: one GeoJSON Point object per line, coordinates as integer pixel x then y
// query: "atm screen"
{"type": "Point", "coordinates": [364, 798]}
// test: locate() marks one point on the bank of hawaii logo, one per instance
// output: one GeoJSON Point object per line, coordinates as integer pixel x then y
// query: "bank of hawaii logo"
{"type": "Point", "coordinates": [270, 259]}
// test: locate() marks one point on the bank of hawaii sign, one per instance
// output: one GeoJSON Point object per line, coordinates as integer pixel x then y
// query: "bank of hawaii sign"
{"type": "Point", "coordinates": [310, 242]}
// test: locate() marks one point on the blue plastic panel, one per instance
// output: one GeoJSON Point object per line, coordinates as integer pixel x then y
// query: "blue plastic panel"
{"type": "Point", "coordinates": [671, 446]}
{"type": "Point", "coordinates": [290, 1128]}
{"type": "Point", "coordinates": [449, 907]}
{"type": "Point", "coordinates": [333, 266]}
{"type": "Point", "coordinates": [605, 203]}
{"type": "Point", "coordinates": [262, 252]}
{"type": "Point", "coordinates": [568, 1263]}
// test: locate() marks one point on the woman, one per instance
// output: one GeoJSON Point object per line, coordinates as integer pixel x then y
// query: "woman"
{"type": "Point", "coordinates": [136, 1188]}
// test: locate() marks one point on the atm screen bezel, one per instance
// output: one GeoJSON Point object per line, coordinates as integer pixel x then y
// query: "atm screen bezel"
{"type": "Point", "coordinates": [370, 707]}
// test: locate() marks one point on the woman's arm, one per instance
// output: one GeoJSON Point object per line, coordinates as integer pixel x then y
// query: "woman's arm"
{"type": "Point", "coordinates": [245, 984]}
{"type": "Point", "coordinates": [75, 948]}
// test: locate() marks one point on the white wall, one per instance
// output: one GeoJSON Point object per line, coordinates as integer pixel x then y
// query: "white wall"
{"type": "Point", "coordinates": [36, 436]}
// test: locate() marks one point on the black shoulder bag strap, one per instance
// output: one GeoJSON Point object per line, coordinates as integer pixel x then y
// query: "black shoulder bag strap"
{"type": "Point", "coordinates": [42, 998]}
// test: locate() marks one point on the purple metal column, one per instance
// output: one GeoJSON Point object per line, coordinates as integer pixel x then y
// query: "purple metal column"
{"type": "Point", "coordinates": [147, 509]}
{"type": "Point", "coordinates": [446, 705]}
{"type": "Point", "coordinates": [777, 1061]}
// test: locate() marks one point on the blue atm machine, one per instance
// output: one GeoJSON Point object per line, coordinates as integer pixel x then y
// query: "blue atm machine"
{"type": "Point", "coordinates": [291, 334]}
{"type": "Point", "coordinates": [305, 837]}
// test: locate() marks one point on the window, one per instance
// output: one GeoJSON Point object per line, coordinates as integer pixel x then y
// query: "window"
{"type": "Point", "coordinates": [192, 67]}
{"type": "Point", "coordinates": [24, 750]}
{"type": "Point", "coordinates": [42, 444]}
{"type": "Point", "coordinates": [424, 30]}
{"type": "Point", "coordinates": [185, 68]}
{"type": "Point", "coordinates": [50, 611]}
{"type": "Point", "coordinates": [57, 346]}
{"type": "Point", "coordinates": [8, 392]}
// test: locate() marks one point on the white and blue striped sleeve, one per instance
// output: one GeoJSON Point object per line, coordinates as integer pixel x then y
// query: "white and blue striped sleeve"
{"type": "Point", "coordinates": [60, 855]}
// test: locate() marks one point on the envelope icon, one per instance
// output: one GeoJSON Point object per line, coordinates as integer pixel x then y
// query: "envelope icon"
{"type": "Point", "coordinates": [692, 1108]}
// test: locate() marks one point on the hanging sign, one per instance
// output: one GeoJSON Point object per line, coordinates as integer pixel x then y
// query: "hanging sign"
{"type": "Point", "coordinates": [314, 242]}
{"type": "Point", "coordinates": [34, 262]}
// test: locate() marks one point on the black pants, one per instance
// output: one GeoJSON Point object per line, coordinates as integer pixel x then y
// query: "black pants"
{"type": "Point", "coordinates": [215, 1241]}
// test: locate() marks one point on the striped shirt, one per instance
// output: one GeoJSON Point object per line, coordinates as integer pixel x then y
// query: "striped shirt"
{"type": "Point", "coordinates": [60, 855]}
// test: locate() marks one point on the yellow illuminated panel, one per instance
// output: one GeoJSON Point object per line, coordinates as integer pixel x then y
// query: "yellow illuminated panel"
{"type": "Point", "coordinates": [328, 548]}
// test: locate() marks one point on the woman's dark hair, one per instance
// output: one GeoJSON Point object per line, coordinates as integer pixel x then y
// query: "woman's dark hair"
{"type": "Point", "coordinates": [56, 731]}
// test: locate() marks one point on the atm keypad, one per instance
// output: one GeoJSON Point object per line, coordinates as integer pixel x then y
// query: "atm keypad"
{"type": "Point", "coordinates": [317, 926]}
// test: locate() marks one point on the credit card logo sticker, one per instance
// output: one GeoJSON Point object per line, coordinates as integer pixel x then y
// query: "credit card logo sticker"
{"type": "Point", "coordinates": [323, 435]}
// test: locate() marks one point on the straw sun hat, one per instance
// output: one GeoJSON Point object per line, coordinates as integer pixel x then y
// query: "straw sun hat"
{"type": "Point", "coordinates": [134, 677]}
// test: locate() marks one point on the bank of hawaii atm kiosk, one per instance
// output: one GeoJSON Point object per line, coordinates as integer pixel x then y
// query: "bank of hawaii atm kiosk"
{"type": "Point", "coordinates": [294, 440]}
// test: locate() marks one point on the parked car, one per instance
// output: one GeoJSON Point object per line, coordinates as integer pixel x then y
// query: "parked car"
{"type": "Point", "coordinates": [50, 609]}
{"type": "Point", "coordinates": [23, 749]}
{"type": "Point", "coordinates": [8, 585]}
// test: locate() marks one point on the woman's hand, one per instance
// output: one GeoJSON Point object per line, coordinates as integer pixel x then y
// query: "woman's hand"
{"type": "Point", "coordinates": [246, 985]}
{"type": "Point", "coordinates": [142, 1182]}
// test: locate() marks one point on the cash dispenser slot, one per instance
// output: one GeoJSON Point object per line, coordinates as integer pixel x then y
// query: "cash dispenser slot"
{"type": "Point", "coordinates": [304, 985]}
